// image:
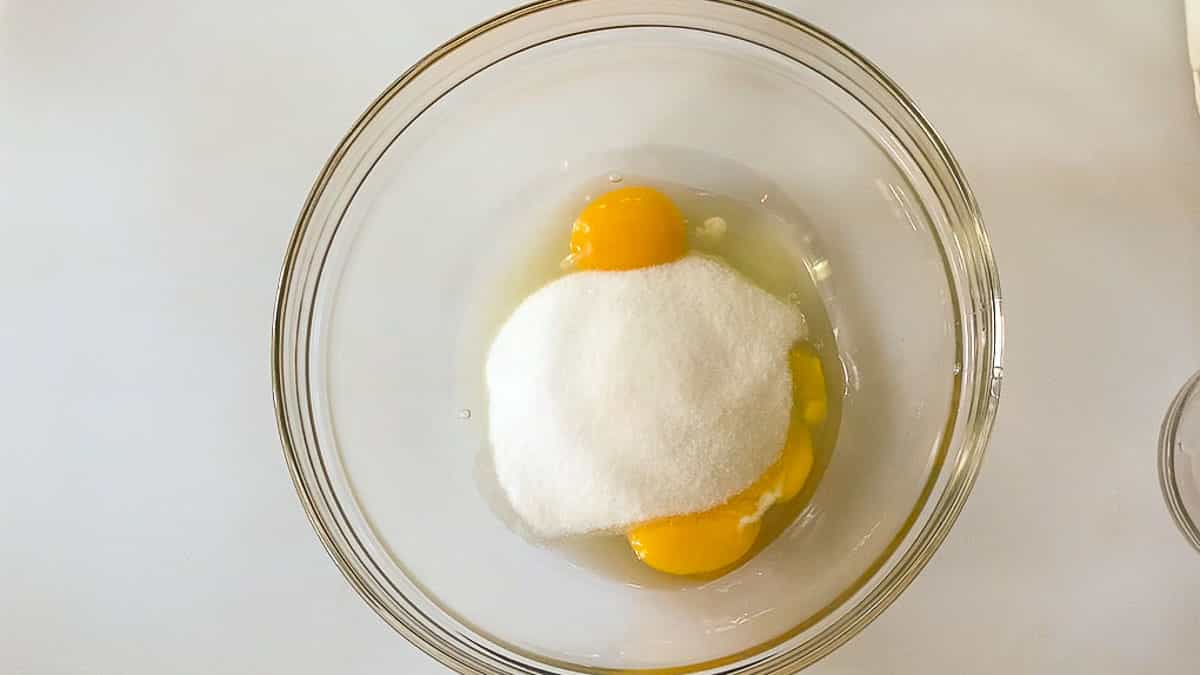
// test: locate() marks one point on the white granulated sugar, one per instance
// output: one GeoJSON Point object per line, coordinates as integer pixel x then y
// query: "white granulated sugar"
{"type": "Point", "coordinates": [618, 397]}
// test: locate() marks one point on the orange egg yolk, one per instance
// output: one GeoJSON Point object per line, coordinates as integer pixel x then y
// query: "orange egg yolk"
{"type": "Point", "coordinates": [636, 227]}
{"type": "Point", "coordinates": [626, 229]}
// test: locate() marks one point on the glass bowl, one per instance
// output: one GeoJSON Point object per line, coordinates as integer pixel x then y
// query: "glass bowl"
{"type": "Point", "coordinates": [422, 223]}
{"type": "Point", "coordinates": [1179, 459]}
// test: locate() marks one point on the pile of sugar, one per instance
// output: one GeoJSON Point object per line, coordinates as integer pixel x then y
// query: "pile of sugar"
{"type": "Point", "coordinates": [619, 397]}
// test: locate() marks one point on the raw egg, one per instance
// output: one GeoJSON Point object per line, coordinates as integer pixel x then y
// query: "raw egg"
{"type": "Point", "coordinates": [808, 386]}
{"type": "Point", "coordinates": [711, 540]}
{"type": "Point", "coordinates": [626, 229]}
{"type": "Point", "coordinates": [636, 227]}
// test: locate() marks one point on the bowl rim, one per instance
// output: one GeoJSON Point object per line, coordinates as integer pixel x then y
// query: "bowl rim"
{"type": "Point", "coordinates": [1189, 394]}
{"type": "Point", "coordinates": [978, 405]}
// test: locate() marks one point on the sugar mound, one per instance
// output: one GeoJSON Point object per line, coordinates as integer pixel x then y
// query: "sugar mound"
{"type": "Point", "coordinates": [618, 397]}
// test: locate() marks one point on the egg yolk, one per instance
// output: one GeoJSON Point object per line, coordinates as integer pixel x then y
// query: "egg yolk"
{"type": "Point", "coordinates": [635, 227]}
{"type": "Point", "coordinates": [808, 385]}
{"type": "Point", "coordinates": [626, 229]}
{"type": "Point", "coordinates": [711, 540]}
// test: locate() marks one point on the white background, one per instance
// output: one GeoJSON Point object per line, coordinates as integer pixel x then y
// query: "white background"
{"type": "Point", "coordinates": [154, 155]}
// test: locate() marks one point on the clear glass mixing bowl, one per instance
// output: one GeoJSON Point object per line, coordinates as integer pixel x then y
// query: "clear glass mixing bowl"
{"type": "Point", "coordinates": [1179, 459]}
{"type": "Point", "coordinates": [436, 195]}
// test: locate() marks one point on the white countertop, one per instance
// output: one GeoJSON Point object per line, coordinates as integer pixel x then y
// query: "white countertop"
{"type": "Point", "coordinates": [154, 155]}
